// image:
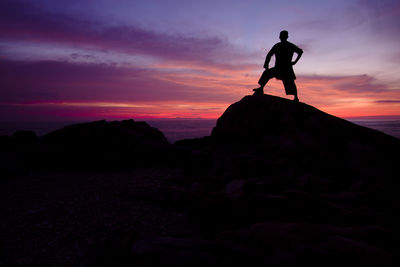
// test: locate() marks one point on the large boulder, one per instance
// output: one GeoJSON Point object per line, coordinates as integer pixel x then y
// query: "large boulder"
{"type": "Point", "coordinates": [256, 117]}
{"type": "Point", "coordinates": [118, 134]}
{"type": "Point", "coordinates": [105, 144]}
{"type": "Point", "coordinates": [263, 131]}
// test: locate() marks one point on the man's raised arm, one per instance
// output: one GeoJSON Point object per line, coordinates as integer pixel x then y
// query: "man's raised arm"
{"type": "Point", "coordinates": [299, 53]}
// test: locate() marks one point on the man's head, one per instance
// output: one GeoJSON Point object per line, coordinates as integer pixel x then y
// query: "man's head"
{"type": "Point", "coordinates": [284, 35]}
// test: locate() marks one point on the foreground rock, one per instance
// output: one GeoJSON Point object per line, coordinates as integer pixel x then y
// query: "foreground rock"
{"type": "Point", "coordinates": [278, 183]}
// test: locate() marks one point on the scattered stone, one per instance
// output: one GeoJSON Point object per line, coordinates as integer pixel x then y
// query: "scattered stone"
{"type": "Point", "coordinates": [235, 189]}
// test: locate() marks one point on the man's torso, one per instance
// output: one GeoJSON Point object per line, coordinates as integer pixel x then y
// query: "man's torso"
{"type": "Point", "coordinates": [283, 59]}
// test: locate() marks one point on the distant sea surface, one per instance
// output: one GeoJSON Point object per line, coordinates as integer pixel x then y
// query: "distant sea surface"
{"type": "Point", "coordinates": [178, 129]}
{"type": "Point", "coordinates": [388, 126]}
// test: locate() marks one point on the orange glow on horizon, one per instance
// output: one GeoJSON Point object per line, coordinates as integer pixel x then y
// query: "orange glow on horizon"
{"type": "Point", "coordinates": [347, 96]}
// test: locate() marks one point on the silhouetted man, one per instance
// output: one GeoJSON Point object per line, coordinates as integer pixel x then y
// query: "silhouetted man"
{"type": "Point", "coordinates": [283, 69]}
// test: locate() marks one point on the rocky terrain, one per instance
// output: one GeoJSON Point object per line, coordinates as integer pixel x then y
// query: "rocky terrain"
{"type": "Point", "coordinates": [277, 183]}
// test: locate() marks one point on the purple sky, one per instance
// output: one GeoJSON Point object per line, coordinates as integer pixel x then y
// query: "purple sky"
{"type": "Point", "coordinates": [119, 59]}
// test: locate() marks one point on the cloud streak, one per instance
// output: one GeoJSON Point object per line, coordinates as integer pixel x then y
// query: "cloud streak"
{"type": "Point", "coordinates": [26, 22]}
{"type": "Point", "coordinates": [65, 81]}
{"type": "Point", "coordinates": [388, 101]}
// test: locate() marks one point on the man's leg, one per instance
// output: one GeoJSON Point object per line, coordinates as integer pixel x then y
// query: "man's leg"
{"type": "Point", "coordinates": [265, 77]}
{"type": "Point", "coordinates": [290, 88]}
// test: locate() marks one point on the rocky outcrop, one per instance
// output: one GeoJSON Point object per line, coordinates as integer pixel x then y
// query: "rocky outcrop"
{"type": "Point", "coordinates": [265, 135]}
{"type": "Point", "coordinates": [103, 144]}
{"type": "Point", "coordinates": [256, 117]}
{"type": "Point", "coordinates": [116, 134]}
{"type": "Point", "coordinates": [95, 145]}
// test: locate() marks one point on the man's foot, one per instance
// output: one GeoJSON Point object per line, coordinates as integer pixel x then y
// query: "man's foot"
{"type": "Point", "coordinates": [258, 90]}
{"type": "Point", "coordinates": [296, 99]}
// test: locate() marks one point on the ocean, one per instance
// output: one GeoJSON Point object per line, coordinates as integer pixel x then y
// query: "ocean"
{"type": "Point", "coordinates": [178, 129]}
{"type": "Point", "coordinates": [388, 126]}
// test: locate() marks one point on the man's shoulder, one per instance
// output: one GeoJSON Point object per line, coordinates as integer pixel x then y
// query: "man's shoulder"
{"type": "Point", "coordinates": [291, 44]}
{"type": "Point", "coordinates": [294, 47]}
{"type": "Point", "coordinates": [284, 44]}
{"type": "Point", "coordinates": [275, 46]}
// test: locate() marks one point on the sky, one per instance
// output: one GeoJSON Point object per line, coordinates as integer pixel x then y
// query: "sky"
{"type": "Point", "coordinates": [118, 59]}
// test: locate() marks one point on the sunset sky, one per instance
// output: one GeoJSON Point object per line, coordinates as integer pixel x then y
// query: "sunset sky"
{"type": "Point", "coordinates": [115, 59]}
